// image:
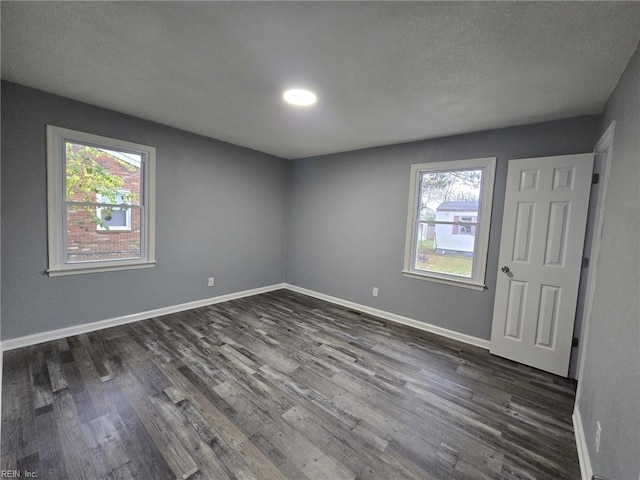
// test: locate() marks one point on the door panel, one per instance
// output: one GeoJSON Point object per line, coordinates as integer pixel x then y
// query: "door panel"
{"type": "Point", "coordinates": [517, 295]}
{"type": "Point", "coordinates": [524, 230]}
{"type": "Point", "coordinates": [547, 316]}
{"type": "Point", "coordinates": [543, 229]}
{"type": "Point", "coordinates": [557, 233]}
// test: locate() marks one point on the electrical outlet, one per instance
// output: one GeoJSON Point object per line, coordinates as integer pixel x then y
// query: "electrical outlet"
{"type": "Point", "coordinates": [210, 282]}
{"type": "Point", "coordinates": [598, 435]}
{"type": "Point", "coordinates": [375, 291]}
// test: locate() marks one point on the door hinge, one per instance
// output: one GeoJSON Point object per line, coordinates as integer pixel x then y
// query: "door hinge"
{"type": "Point", "coordinates": [574, 342]}
{"type": "Point", "coordinates": [585, 262]}
{"type": "Point", "coordinates": [595, 179]}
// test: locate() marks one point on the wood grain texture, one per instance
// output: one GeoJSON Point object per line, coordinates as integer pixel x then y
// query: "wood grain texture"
{"type": "Point", "coordinates": [280, 386]}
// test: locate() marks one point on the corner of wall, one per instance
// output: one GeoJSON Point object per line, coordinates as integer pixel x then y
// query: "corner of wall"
{"type": "Point", "coordinates": [608, 378]}
{"type": "Point", "coordinates": [586, 471]}
{"type": "Point", "coordinates": [285, 267]}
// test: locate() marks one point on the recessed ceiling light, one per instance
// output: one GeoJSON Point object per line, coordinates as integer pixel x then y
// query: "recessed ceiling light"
{"type": "Point", "coordinates": [299, 97]}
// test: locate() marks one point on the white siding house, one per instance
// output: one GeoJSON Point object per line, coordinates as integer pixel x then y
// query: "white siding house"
{"type": "Point", "coordinates": [458, 237]}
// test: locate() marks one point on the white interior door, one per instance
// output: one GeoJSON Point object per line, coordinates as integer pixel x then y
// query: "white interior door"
{"type": "Point", "coordinates": [543, 228]}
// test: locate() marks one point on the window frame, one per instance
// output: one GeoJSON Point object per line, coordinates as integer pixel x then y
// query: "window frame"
{"type": "Point", "coordinates": [58, 264]}
{"type": "Point", "coordinates": [483, 222]}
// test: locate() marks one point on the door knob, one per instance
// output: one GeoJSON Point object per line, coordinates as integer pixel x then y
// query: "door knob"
{"type": "Point", "coordinates": [505, 269]}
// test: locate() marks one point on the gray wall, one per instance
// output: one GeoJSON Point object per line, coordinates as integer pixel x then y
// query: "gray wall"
{"type": "Point", "coordinates": [221, 211]}
{"type": "Point", "coordinates": [348, 214]}
{"type": "Point", "coordinates": [610, 384]}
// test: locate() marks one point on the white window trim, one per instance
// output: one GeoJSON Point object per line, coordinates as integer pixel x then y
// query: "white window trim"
{"type": "Point", "coordinates": [114, 228]}
{"type": "Point", "coordinates": [58, 266]}
{"type": "Point", "coordinates": [477, 282]}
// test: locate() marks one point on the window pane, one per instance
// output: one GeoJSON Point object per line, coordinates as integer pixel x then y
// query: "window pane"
{"type": "Point", "coordinates": [88, 241]}
{"type": "Point", "coordinates": [431, 258]}
{"type": "Point", "coordinates": [114, 217]}
{"type": "Point", "coordinates": [440, 187]}
{"type": "Point", "coordinates": [110, 175]}
{"type": "Point", "coordinates": [110, 217]}
{"type": "Point", "coordinates": [448, 196]}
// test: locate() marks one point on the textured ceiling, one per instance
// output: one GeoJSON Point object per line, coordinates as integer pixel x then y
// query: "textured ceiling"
{"type": "Point", "coordinates": [384, 72]}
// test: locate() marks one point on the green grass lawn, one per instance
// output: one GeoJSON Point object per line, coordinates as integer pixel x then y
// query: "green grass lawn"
{"type": "Point", "coordinates": [452, 263]}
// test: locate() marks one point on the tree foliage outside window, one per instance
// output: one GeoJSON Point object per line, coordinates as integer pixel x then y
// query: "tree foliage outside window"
{"type": "Point", "coordinates": [87, 180]}
{"type": "Point", "coordinates": [445, 186]}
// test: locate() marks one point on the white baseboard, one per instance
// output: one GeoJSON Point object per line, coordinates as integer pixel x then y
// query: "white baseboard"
{"type": "Point", "coordinates": [47, 336]}
{"type": "Point", "coordinates": [36, 338]}
{"type": "Point", "coordinates": [581, 442]}
{"type": "Point", "coordinates": [427, 327]}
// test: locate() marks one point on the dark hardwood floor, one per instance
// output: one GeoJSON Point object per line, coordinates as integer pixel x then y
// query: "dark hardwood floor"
{"type": "Point", "coordinates": [280, 385]}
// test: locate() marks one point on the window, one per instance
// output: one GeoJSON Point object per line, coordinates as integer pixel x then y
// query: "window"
{"type": "Point", "coordinates": [113, 217]}
{"type": "Point", "coordinates": [101, 195]}
{"type": "Point", "coordinates": [465, 229]}
{"type": "Point", "coordinates": [448, 221]}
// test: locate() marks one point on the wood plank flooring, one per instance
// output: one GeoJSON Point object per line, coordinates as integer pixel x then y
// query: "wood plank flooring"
{"type": "Point", "coordinates": [280, 386]}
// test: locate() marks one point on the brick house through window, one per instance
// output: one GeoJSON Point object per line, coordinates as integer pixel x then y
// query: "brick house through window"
{"type": "Point", "coordinates": [110, 228]}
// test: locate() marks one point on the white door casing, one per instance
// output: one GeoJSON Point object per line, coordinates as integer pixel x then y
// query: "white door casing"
{"type": "Point", "coordinates": [543, 227]}
{"type": "Point", "coordinates": [591, 244]}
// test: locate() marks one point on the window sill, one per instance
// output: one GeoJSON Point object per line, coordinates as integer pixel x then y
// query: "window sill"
{"type": "Point", "coordinates": [446, 280]}
{"type": "Point", "coordinates": [79, 270]}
